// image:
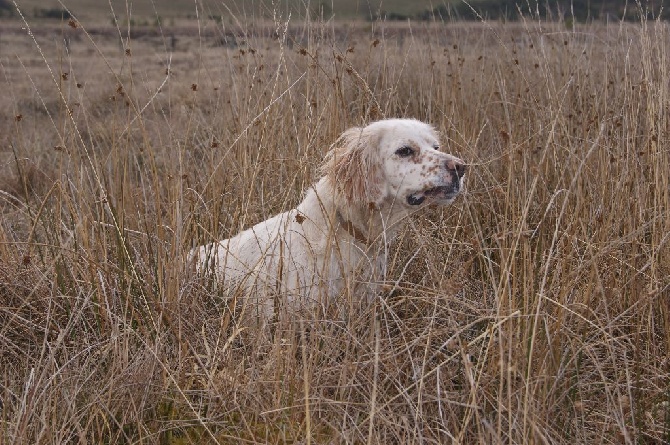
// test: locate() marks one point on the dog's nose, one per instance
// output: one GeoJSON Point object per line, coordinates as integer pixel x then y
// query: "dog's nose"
{"type": "Point", "coordinates": [457, 166]}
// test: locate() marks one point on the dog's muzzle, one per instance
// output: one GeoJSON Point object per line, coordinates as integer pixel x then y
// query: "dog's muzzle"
{"type": "Point", "coordinates": [456, 170]}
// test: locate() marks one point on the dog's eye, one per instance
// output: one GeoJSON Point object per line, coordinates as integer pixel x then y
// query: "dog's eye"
{"type": "Point", "coordinates": [404, 152]}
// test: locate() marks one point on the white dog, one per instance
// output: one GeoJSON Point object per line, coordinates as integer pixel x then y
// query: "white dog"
{"type": "Point", "coordinates": [335, 242]}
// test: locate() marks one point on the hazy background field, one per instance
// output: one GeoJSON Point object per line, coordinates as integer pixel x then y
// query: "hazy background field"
{"type": "Point", "coordinates": [147, 10]}
{"type": "Point", "coordinates": [389, 10]}
{"type": "Point", "coordinates": [536, 309]}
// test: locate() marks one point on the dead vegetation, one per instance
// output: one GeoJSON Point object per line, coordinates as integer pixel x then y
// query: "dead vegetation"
{"type": "Point", "coordinates": [534, 310]}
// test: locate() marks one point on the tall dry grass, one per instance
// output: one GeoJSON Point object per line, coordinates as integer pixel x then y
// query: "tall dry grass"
{"type": "Point", "coordinates": [536, 309]}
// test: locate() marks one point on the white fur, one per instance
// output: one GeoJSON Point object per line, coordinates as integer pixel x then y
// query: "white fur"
{"type": "Point", "coordinates": [336, 239]}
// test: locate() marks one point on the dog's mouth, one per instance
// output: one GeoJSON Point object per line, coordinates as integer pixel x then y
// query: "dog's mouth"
{"type": "Point", "coordinates": [443, 193]}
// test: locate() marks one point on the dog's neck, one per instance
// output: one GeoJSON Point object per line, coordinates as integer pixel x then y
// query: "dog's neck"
{"type": "Point", "coordinates": [351, 229]}
{"type": "Point", "coordinates": [371, 224]}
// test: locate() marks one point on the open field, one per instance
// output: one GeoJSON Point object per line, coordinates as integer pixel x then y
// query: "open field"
{"type": "Point", "coordinates": [536, 309]}
{"type": "Point", "coordinates": [142, 10]}
{"type": "Point", "coordinates": [148, 11]}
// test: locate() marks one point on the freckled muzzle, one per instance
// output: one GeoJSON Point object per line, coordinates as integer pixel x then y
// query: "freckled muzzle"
{"type": "Point", "coordinates": [456, 171]}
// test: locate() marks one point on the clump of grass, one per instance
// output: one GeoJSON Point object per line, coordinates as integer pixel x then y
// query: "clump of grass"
{"type": "Point", "coordinates": [535, 309]}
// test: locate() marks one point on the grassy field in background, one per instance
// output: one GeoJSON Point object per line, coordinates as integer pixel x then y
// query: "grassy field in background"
{"type": "Point", "coordinates": [143, 10]}
{"type": "Point", "coordinates": [536, 309]}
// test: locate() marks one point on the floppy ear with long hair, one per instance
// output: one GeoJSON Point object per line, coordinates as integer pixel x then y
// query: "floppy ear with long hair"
{"type": "Point", "coordinates": [353, 166]}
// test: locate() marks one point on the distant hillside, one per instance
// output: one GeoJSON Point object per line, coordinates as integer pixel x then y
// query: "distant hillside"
{"type": "Point", "coordinates": [400, 10]}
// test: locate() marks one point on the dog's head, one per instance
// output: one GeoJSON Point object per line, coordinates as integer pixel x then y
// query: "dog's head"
{"type": "Point", "coordinates": [395, 160]}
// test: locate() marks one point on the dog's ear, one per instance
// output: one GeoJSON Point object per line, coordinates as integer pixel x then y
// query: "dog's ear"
{"type": "Point", "coordinates": [353, 166]}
